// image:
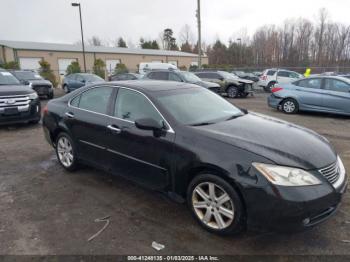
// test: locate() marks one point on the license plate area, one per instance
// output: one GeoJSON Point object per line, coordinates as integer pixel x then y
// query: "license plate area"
{"type": "Point", "coordinates": [11, 111]}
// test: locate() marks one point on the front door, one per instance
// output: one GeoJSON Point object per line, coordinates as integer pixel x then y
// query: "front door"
{"type": "Point", "coordinates": [310, 94]}
{"type": "Point", "coordinates": [86, 118]}
{"type": "Point", "coordinates": [337, 98]}
{"type": "Point", "coordinates": [138, 154]}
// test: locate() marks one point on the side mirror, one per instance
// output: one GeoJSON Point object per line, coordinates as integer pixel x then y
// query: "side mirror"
{"type": "Point", "coordinates": [150, 124]}
{"type": "Point", "coordinates": [221, 79]}
{"type": "Point", "coordinates": [26, 82]}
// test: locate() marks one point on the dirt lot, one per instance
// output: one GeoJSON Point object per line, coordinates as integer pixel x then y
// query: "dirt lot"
{"type": "Point", "coordinates": [45, 210]}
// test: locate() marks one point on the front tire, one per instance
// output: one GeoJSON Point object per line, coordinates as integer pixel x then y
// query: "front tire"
{"type": "Point", "coordinates": [216, 205]}
{"type": "Point", "coordinates": [232, 92]}
{"type": "Point", "coordinates": [66, 153]}
{"type": "Point", "coordinates": [289, 106]}
{"type": "Point", "coordinates": [66, 89]}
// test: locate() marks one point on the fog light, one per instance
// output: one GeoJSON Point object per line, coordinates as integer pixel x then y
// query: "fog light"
{"type": "Point", "coordinates": [306, 221]}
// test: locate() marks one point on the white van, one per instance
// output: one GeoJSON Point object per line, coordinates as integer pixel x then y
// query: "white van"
{"type": "Point", "coordinates": [146, 67]}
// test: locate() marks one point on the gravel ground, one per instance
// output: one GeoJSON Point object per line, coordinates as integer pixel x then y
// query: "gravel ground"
{"type": "Point", "coordinates": [45, 210]}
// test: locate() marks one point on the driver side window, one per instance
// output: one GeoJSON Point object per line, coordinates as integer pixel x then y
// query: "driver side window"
{"type": "Point", "coordinates": [131, 105]}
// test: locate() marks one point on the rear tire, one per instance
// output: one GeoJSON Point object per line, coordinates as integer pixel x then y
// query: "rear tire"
{"type": "Point", "coordinates": [290, 106]}
{"type": "Point", "coordinates": [216, 205]}
{"type": "Point", "coordinates": [66, 152]}
{"type": "Point", "coordinates": [268, 87]}
{"type": "Point", "coordinates": [65, 88]}
{"type": "Point", "coordinates": [232, 92]}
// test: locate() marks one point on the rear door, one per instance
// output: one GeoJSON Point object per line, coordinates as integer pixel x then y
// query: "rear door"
{"type": "Point", "coordinates": [213, 77]}
{"type": "Point", "coordinates": [86, 118]}
{"type": "Point", "coordinates": [337, 98]}
{"type": "Point", "coordinates": [138, 154]}
{"type": "Point", "coordinates": [309, 93]}
{"type": "Point", "coordinates": [283, 77]}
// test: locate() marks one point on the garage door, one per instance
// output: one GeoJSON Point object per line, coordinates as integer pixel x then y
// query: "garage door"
{"type": "Point", "coordinates": [111, 64]}
{"type": "Point", "coordinates": [29, 63]}
{"type": "Point", "coordinates": [63, 63]}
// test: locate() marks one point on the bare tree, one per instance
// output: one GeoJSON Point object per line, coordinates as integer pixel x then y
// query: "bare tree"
{"type": "Point", "coordinates": [95, 41]}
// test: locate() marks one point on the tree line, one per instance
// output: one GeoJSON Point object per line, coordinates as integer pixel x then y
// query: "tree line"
{"type": "Point", "coordinates": [297, 43]}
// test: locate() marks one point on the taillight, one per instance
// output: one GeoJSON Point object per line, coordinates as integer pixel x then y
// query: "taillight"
{"type": "Point", "coordinates": [276, 89]}
{"type": "Point", "coordinates": [45, 110]}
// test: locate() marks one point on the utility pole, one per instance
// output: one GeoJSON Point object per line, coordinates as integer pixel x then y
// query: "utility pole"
{"type": "Point", "coordinates": [199, 34]}
{"type": "Point", "coordinates": [82, 33]}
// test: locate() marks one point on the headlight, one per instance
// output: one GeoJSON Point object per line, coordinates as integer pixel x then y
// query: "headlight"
{"type": "Point", "coordinates": [286, 176]}
{"type": "Point", "coordinates": [33, 96]}
{"type": "Point", "coordinates": [341, 166]}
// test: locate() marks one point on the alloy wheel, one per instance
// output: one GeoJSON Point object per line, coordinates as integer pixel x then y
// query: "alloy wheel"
{"type": "Point", "coordinates": [289, 106]}
{"type": "Point", "coordinates": [232, 92]}
{"type": "Point", "coordinates": [65, 151]}
{"type": "Point", "coordinates": [213, 205]}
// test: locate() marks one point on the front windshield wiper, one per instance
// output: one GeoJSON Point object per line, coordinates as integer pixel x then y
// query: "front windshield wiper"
{"type": "Point", "coordinates": [233, 117]}
{"type": "Point", "coordinates": [203, 124]}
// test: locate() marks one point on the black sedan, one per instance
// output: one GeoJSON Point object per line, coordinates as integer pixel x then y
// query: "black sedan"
{"type": "Point", "coordinates": [233, 168]}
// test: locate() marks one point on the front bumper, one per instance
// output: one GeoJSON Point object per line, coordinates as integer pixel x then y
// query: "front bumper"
{"type": "Point", "coordinates": [292, 208]}
{"type": "Point", "coordinates": [43, 90]}
{"type": "Point", "coordinates": [32, 114]}
{"type": "Point", "coordinates": [274, 101]}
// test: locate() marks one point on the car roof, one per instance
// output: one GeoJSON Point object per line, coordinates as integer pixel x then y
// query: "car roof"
{"type": "Point", "coordinates": [324, 76]}
{"type": "Point", "coordinates": [153, 85]}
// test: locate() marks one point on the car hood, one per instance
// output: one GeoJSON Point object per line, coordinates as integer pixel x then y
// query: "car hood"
{"type": "Point", "coordinates": [207, 84]}
{"type": "Point", "coordinates": [279, 141]}
{"type": "Point", "coordinates": [245, 81]}
{"type": "Point", "coordinates": [40, 82]}
{"type": "Point", "coordinates": [9, 90]}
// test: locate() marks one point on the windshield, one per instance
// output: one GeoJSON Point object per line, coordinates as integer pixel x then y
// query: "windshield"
{"type": "Point", "coordinates": [190, 77]}
{"type": "Point", "coordinates": [227, 75]}
{"type": "Point", "coordinates": [27, 75]}
{"type": "Point", "coordinates": [7, 78]}
{"type": "Point", "coordinates": [198, 106]}
{"type": "Point", "coordinates": [93, 78]}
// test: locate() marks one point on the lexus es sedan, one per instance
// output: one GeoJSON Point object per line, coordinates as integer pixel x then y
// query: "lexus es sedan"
{"type": "Point", "coordinates": [329, 94]}
{"type": "Point", "coordinates": [230, 166]}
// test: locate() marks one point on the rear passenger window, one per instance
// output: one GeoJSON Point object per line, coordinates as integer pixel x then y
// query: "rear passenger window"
{"type": "Point", "coordinates": [310, 83]}
{"type": "Point", "coordinates": [75, 101]}
{"type": "Point", "coordinates": [174, 77]}
{"type": "Point", "coordinates": [159, 75]}
{"type": "Point", "coordinates": [283, 74]}
{"type": "Point", "coordinates": [96, 99]}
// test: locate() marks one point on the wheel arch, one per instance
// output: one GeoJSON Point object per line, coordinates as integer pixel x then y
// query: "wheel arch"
{"type": "Point", "coordinates": [216, 171]}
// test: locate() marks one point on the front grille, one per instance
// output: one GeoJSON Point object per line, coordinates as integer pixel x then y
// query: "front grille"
{"type": "Point", "coordinates": [13, 101]}
{"type": "Point", "coordinates": [331, 172]}
{"type": "Point", "coordinates": [41, 89]}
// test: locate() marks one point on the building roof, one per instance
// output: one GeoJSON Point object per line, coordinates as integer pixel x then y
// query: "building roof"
{"type": "Point", "coordinates": [41, 46]}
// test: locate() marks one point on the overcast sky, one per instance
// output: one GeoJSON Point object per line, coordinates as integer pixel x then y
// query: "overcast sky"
{"type": "Point", "coordinates": [57, 21]}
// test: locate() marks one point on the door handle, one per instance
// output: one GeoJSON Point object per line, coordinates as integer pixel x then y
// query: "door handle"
{"type": "Point", "coordinates": [114, 129]}
{"type": "Point", "coordinates": [69, 114]}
